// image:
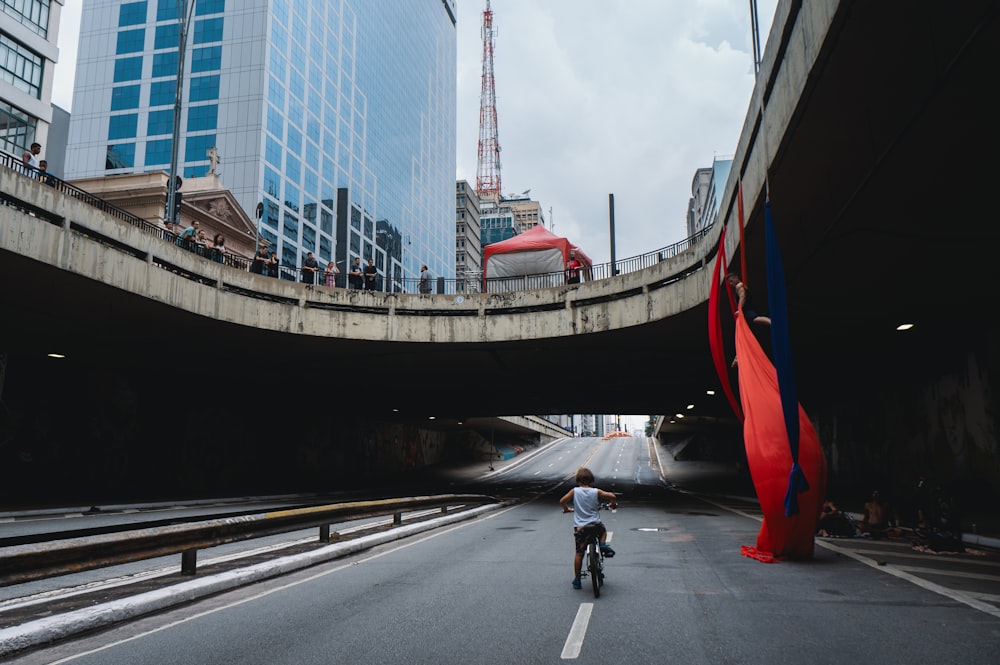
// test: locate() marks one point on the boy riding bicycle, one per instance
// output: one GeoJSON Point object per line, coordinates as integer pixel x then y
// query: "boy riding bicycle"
{"type": "Point", "coordinates": [586, 521]}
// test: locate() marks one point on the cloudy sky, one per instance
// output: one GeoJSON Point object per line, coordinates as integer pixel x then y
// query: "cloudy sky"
{"type": "Point", "coordinates": [594, 97]}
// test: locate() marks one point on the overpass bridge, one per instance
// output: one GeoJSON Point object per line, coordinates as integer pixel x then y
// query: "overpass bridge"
{"type": "Point", "coordinates": [869, 132]}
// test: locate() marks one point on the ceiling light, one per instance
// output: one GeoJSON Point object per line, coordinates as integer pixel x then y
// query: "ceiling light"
{"type": "Point", "coordinates": [678, 415]}
{"type": "Point", "coordinates": [904, 326]}
{"type": "Point", "coordinates": [690, 406]}
{"type": "Point", "coordinates": [431, 417]}
{"type": "Point", "coordinates": [709, 392]}
{"type": "Point", "coordinates": [56, 355]}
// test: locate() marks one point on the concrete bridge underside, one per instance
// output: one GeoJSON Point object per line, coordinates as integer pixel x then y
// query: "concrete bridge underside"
{"type": "Point", "coordinates": [870, 132]}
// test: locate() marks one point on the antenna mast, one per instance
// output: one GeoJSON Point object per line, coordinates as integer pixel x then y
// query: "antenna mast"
{"type": "Point", "coordinates": [488, 173]}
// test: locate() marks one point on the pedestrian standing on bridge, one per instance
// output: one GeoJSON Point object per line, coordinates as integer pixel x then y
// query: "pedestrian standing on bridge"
{"type": "Point", "coordinates": [355, 274]}
{"type": "Point", "coordinates": [371, 273]}
{"type": "Point", "coordinates": [573, 267]}
{"type": "Point", "coordinates": [30, 159]}
{"type": "Point", "coordinates": [309, 268]}
{"type": "Point", "coordinates": [425, 280]}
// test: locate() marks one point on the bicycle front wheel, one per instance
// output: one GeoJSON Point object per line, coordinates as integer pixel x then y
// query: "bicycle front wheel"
{"type": "Point", "coordinates": [594, 568]}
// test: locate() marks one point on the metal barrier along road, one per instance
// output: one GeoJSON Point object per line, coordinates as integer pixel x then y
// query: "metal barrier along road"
{"type": "Point", "coordinates": [28, 562]}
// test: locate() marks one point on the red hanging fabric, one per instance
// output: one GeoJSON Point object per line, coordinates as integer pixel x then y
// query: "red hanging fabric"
{"type": "Point", "coordinates": [715, 328]}
{"type": "Point", "coordinates": [769, 458]}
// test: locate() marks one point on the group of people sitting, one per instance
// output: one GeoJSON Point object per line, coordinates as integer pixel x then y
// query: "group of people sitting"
{"type": "Point", "coordinates": [937, 525]}
{"type": "Point", "coordinates": [878, 520]}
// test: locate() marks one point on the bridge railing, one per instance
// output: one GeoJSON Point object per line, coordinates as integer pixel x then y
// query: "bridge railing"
{"type": "Point", "coordinates": [29, 561]}
{"type": "Point", "coordinates": [472, 282]}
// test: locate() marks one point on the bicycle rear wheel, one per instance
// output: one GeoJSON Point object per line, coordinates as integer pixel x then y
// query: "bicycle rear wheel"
{"type": "Point", "coordinates": [594, 568]}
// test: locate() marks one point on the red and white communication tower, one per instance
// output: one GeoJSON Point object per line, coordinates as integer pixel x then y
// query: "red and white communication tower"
{"type": "Point", "coordinates": [488, 173]}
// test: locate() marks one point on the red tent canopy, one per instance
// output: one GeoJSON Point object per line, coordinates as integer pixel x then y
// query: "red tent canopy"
{"type": "Point", "coordinates": [534, 252]}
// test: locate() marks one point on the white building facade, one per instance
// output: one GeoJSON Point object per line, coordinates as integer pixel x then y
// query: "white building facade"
{"type": "Point", "coordinates": [29, 32]}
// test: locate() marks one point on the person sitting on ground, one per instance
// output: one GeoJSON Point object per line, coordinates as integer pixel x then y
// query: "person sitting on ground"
{"type": "Point", "coordinates": [586, 501]}
{"type": "Point", "coordinates": [835, 524]}
{"type": "Point", "coordinates": [879, 519]}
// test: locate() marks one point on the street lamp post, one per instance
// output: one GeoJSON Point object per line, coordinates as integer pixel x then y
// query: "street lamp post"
{"type": "Point", "coordinates": [185, 9]}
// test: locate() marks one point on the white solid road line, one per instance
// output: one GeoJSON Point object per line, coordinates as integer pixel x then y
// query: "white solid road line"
{"type": "Point", "coordinates": [574, 641]}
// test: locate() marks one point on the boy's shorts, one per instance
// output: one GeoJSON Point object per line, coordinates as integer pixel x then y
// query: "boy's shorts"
{"type": "Point", "coordinates": [581, 534]}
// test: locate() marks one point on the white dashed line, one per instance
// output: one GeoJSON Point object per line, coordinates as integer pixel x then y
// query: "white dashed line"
{"type": "Point", "coordinates": [574, 641]}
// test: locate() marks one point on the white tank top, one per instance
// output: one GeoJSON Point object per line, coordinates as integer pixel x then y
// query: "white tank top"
{"type": "Point", "coordinates": [585, 506]}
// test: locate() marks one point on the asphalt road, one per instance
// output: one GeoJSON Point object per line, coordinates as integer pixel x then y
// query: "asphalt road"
{"type": "Point", "coordinates": [497, 590]}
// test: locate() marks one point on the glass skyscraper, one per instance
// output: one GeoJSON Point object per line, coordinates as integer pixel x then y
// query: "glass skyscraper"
{"type": "Point", "coordinates": [338, 116]}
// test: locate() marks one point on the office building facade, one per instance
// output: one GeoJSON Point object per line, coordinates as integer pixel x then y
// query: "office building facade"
{"type": "Point", "coordinates": [29, 31]}
{"type": "Point", "coordinates": [706, 195]}
{"type": "Point", "coordinates": [468, 245]}
{"type": "Point", "coordinates": [332, 121]}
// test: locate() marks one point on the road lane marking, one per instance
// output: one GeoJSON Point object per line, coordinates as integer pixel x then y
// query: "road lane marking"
{"type": "Point", "coordinates": [574, 641]}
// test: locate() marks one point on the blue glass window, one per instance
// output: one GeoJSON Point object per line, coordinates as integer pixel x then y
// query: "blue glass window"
{"type": "Point", "coordinates": [296, 84]}
{"type": "Point", "coordinates": [165, 64]}
{"type": "Point", "coordinates": [292, 196]}
{"type": "Point", "coordinates": [276, 93]}
{"type": "Point", "coordinates": [158, 152]}
{"type": "Point", "coordinates": [269, 236]}
{"type": "Point", "coordinates": [204, 88]}
{"type": "Point", "coordinates": [295, 110]}
{"type": "Point", "coordinates": [355, 243]}
{"type": "Point", "coordinates": [128, 69]}
{"type": "Point", "coordinates": [132, 13]}
{"type": "Point", "coordinates": [168, 10]}
{"type": "Point", "coordinates": [293, 168]}
{"type": "Point", "coordinates": [209, 7]}
{"type": "Point", "coordinates": [311, 184]}
{"type": "Point", "coordinates": [325, 247]}
{"type": "Point", "coordinates": [206, 59]}
{"type": "Point", "coordinates": [272, 185]}
{"type": "Point", "coordinates": [273, 152]}
{"type": "Point", "coordinates": [294, 141]}
{"type": "Point", "coordinates": [203, 118]}
{"type": "Point", "coordinates": [123, 126]}
{"type": "Point", "coordinates": [290, 227]}
{"type": "Point", "coordinates": [275, 123]}
{"type": "Point", "coordinates": [131, 41]}
{"type": "Point", "coordinates": [160, 122]}
{"type": "Point", "coordinates": [161, 93]}
{"type": "Point", "coordinates": [326, 221]}
{"type": "Point", "coordinates": [288, 258]}
{"type": "Point", "coordinates": [313, 127]}
{"type": "Point", "coordinates": [196, 147]}
{"type": "Point", "coordinates": [308, 237]}
{"type": "Point", "coordinates": [125, 97]}
{"type": "Point", "coordinates": [278, 64]}
{"type": "Point", "coordinates": [280, 11]}
{"type": "Point", "coordinates": [168, 35]}
{"type": "Point", "coordinates": [208, 30]}
{"type": "Point", "coordinates": [120, 156]}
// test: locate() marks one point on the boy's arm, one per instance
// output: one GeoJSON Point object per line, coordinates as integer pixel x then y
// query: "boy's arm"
{"type": "Point", "coordinates": [609, 497]}
{"type": "Point", "coordinates": [564, 502]}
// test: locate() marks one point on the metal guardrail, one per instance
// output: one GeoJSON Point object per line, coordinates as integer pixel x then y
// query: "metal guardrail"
{"type": "Point", "coordinates": [472, 283]}
{"type": "Point", "coordinates": [35, 561]}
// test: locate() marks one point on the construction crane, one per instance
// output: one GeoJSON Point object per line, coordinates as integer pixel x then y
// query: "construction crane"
{"type": "Point", "coordinates": [488, 172]}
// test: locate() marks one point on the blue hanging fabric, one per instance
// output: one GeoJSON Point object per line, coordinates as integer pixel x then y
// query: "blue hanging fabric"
{"type": "Point", "coordinates": [782, 352]}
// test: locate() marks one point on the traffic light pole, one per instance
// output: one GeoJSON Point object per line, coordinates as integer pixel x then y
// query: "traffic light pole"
{"type": "Point", "coordinates": [185, 9]}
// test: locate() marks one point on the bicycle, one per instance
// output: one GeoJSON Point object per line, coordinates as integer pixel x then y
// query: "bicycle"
{"type": "Point", "coordinates": [594, 556]}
